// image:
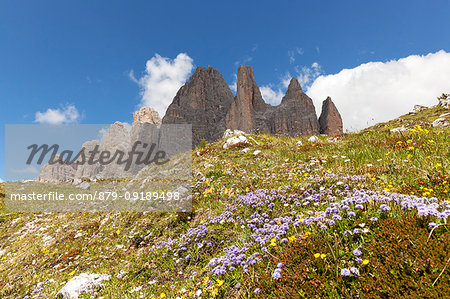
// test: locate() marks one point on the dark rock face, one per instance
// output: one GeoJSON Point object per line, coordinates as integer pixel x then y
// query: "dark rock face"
{"type": "Point", "coordinates": [330, 119]}
{"type": "Point", "coordinates": [207, 103]}
{"type": "Point", "coordinates": [248, 108]}
{"type": "Point", "coordinates": [295, 115]}
{"type": "Point", "coordinates": [204, 102]}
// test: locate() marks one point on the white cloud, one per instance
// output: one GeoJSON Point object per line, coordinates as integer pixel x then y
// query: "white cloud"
{"type": "Point", "coordinates": [271, 95]}
{"type": "Point", "coordinates": [2, 181]}
{"type": "Point", "coordinates": [293, 53]}
{"type": "Point", "coordinates": [379, 91]}
{"type": "Point", "coordinates": [233, 85]}
{"type": "Point", "coordinates": [162, 79]}
{"type": "Point", "coordinates": [307, 75]}
{"type": "Point", "coordinates": [244, 60]}
{"type": "Point", "coordinates": [64, 115]}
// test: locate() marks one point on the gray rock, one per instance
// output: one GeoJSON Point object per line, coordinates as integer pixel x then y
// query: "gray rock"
{"type": "Point", "coordinates": [230, 133]}
{"type": "Point", "coordinates": [117, 139]}
{"type": "Point", "coordinates": [81, 284]}
{"type": "Point", "coordinates": [399, 129]}
{"type": "Point", "coordinates": [84, 170]}
{"type": "Point", "coordinates": [440, 122]}
{"type": "Point", "coordinates": [418, 108]}
{"type": "Point", "coordinates": [117, 135]}
{"type": "Point", "coordinates": [445, 102]}
{"type": "Point", "coordinates": [235, 141]}
{"type": "Point", "coordinates": [58, 172]}
{"type": "Point", "coordinates": [84, 185]}
{"type": "Point", "coordinates": [313, 139]}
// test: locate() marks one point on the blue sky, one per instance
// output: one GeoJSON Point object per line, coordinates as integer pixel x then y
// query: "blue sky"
{"type": "Point", "coordinates": [54, 54]}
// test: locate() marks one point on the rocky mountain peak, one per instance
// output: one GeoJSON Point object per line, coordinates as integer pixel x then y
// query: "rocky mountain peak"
{"type": "Point", "coordinates": [294, 86]}
{"type": "Point", "coordinates": [147, 115]}
{"type": "Point", "coordinates": [203, 102]}
{"type": "Point", "coordinates": [330, 119]}
{"type": "Point", "coordinates": [248, 105]}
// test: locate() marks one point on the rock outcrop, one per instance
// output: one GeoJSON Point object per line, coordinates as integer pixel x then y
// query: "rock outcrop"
{"type": "Point", "coordinates": [147, 115]}
{"type": "Point", "coordinates": [204, 102]}
{"type": "Point", "coordinates": [83, 283]}
{"type": "Point", "coordinates": [59, 171]}
{"type": "Point", "coordinates": [120, 139]}
{"type": "Point", "coordinates": [207, 103]}
{"type": "Point", "coordinates": [247, 112]}
{"type": "Point", "coordinates": [330, 119]}
{"type": "Point", "coordinates": [445, 102]}
{"type": "Point", "coordinates": [116, 139]}
{"type": "Point", "coordinates": [295, 115]}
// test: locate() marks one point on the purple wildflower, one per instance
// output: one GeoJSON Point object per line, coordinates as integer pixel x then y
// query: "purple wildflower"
{"type": "Point", "coordinates": [357, 252]}
{"type": "Point", "coordinates": [355, 271]}
{"type": "Point", "coordinates": [384, 208]}
{"type": "Point", "coordinates": [345, 272]}
{"type": "Point", "coordinates": [276, 274]}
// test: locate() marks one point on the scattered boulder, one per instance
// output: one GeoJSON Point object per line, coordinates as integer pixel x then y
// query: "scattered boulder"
{"type": "Point", "coordinates": [330, 119]}
{"type": "Point", "coordinates": [235, 140]}
{"type": "Point", "coordinates": [418, 108]}
{"type": "Point", "coordinates": [313, 139]}
{"type": "Point", "coordinates": [399, 129]}
{"type": "Point", "coordinates": [445, 102]}
{"type": "Point", "coordinates": [440, 122]}
{"type": "Point", "coordinates": [256, 153]}
{"type": "Point", "coordinates": [299, 143]}
{"type": "Point", "coordinates": [229, 133]}
{"type": "Point", "coordinates": [81, 284]}
{"type": "Point", "coordinates": [84, 185]}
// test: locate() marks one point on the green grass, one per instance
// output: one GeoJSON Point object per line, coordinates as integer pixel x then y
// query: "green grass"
{"type": "Point", "coordinates": [52, 248]}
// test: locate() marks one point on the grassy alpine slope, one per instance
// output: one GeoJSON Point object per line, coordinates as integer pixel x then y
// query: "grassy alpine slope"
{"type": "Point", "coordinates": [366, 215]}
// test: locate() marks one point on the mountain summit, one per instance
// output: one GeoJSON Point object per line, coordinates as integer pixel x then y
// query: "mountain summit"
{"type": "Point", "coordinates": [206, 102]}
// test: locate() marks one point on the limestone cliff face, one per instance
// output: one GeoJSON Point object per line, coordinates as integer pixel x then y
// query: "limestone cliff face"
{"type": "Point", "coordinates": [147, 115]}
{"type": "Point", "coordinates": [248, 107]}
{"type": "Point", "coordinates": [204, 102]}
{"type": "Point", "coordinates": [295, 115]}
{"type": "Point", "coordinates": [330, 119]}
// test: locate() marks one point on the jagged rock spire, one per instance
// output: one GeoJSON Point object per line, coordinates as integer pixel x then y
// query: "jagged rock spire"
{"type": "Point", "coordinates": [203, 101]}
{"type": "Point", "coordinates": [330, 119]}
